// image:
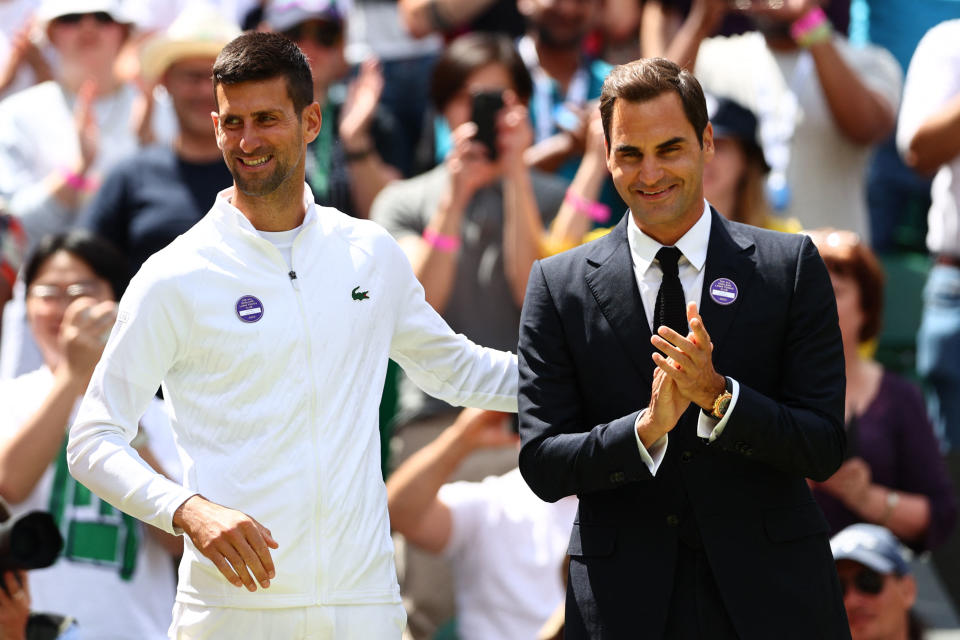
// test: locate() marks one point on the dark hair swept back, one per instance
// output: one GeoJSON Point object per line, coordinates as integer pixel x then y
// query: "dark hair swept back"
{"type": "Point", "coordinates": [102, 257]}
{"type": "Point", "coordinates": [648, 78]}
{"type": "Point", "coordinates": [259, 55]}
{"type": "Point", "coordinates": [469, 53]}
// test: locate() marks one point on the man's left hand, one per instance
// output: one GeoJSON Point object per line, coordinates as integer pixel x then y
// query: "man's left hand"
{"type": "Point", "coordinates": [689, 360]}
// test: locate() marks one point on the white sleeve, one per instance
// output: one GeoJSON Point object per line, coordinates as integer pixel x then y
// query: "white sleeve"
{"type": "Point", "coordinates": [143, 346]}
{"type": "Point", "coordinates": [444, 364]}
{"type": "Point", "coordinates": [931, 81]}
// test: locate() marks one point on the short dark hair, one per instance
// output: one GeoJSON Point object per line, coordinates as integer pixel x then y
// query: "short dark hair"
{"type": "Point", "coordinates": [104, 259]}
{"type": "Point", "coordinates": [259, 55]}
{"type": "Point", "coordinates": [471, 52]}
{"type": "Point", "coordinates": [648, 78]}
{"type": "Point", "coordinates": [847, 255]}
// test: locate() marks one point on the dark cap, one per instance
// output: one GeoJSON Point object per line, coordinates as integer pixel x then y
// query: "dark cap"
{"type": "Point", "coordinates": [730, 119]}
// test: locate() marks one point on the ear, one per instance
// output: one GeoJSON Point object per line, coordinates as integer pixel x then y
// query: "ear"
{"type": "Point", "coordinates": [215, 117]}
{"type": "Point", "coordinates": [311, 120]}
{"type": "Point", "coordinates": [708, 148]}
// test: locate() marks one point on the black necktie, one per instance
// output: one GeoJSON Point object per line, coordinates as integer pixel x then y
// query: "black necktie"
{"type": "Point", "coordinates": [671, 309]}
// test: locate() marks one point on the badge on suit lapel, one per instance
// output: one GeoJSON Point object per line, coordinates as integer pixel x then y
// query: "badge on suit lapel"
{"type": "Point", "coordinates": [723, 291]}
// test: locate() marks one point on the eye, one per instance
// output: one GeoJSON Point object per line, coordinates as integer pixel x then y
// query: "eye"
{"type": "Point", "coordinates": [671, 149]}
{"type": "Point", "coordinates": [231, 122]}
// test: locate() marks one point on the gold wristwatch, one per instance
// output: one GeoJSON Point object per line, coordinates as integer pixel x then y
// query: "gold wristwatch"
{"type": "Point", "coordinates": [722, 402]}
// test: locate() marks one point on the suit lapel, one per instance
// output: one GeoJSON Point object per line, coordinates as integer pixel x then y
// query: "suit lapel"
{"type": "Point", "coordinates": [611, 279]}
{"type": "Point", "coordinates": [730, 259]}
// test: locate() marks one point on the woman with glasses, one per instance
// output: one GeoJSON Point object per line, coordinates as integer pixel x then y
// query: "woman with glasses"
{"type": "Point", "coordinates": [115, 577]}
{"type": "Point", "coordinates": [894, 475]}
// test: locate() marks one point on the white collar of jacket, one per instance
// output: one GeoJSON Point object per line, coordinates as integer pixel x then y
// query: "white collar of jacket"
{"type": "Point", "coordinates": [225, 214]}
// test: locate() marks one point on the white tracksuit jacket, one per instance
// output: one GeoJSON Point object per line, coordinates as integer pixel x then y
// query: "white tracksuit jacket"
{"type": "Point", "coordinates": [273, 385]}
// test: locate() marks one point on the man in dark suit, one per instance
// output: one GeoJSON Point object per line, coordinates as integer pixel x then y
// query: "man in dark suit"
{"type": "Point", "coordinates": [688, 446]}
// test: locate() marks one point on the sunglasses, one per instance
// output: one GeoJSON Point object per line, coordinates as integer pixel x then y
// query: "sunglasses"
{"type": "Point", "coordinates": [100, 17]}
{"type": "Point", "coordinates": [325, 34]}
{"type": "Point", "coordinates": [866, 581]}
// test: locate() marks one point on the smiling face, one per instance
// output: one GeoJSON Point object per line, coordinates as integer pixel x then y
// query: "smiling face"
{"type": "Point", "coordinates": [657, 164]}
{"type": "Point", "coordinates": [262, 139]}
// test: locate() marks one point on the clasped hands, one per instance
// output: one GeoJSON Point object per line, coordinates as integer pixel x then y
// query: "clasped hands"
{"type": "Point", "coordinates": [684, 374]}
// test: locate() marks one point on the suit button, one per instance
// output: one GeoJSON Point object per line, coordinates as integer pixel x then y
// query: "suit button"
{"type": "Point", "coordinates": [617, 477]}
{"type": "Point", "coordinates": [686, 456]}
{"type": "Point", "coordinates": [673, 520]}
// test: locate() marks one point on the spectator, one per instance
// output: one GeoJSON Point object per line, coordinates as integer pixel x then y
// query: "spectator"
{"type": "Point", "coordinates": [115, 576]}
{"type": "Point", "coordinates": [929, 137]}
{"type": "Point", "coordinates": [821, 105]}
{"type": "Point", "coordinates": [898, 197]}
{"type": "Point", "coordinates": [733, 181]}
{"type": "Point", "coordinates": [894, 475]}
{"type": "Point", "coordinates": [505, 545]}
{"type": "Point", "coordinates": [878, 590]}
{"type": "Point", "coordinates": [358, 149]}
{"type": "Point", "coordinates": [470, 228]}
{"type": "Point", "coordinates": [161, 191]}
{"type": "Point", "coordinates": [377, 31]}
{"type": "Point", "coordinates": [58, 138]}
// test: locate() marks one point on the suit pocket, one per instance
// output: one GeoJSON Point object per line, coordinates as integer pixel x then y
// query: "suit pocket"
{"type": "Point", "coordinates": [592, 540]}
{"type": "Point", "coordinates": [791, 523]}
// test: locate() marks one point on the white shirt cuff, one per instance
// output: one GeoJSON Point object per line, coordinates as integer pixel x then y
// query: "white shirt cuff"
{"type": "Point", "coordinates": [711, 428]}
{"type": "Point", "coordinates": [653, 456]}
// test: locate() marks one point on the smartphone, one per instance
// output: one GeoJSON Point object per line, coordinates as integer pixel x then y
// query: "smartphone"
{"type": "Point", "coordinates": [484, 108]}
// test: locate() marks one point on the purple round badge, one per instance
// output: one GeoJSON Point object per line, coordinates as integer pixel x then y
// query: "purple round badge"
{"type": "Point", "coordinates": [249, 309]}
{"type": "Point", "coordinates": [723, 291]}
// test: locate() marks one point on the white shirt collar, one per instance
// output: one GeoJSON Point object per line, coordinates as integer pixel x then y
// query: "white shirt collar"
{"type": "Point", "coordinates": [224, 204]}
{"type": "Point", "coordinates": [693, 244]}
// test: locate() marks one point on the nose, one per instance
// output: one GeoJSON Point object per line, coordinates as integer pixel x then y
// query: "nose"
{"type": "Point", "coordinates": [250, 139]}
{"type": "Point", "coordinates": [649, 172]}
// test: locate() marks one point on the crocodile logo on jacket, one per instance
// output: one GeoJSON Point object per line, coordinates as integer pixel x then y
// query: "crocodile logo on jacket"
{"type": "Point", "coordinates": [359, 295]}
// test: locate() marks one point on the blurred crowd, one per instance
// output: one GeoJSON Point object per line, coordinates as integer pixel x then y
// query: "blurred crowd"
{"type": "Point", "coordinates": [470, 130]}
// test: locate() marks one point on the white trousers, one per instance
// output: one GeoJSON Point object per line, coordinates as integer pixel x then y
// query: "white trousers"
{"type": "Point", "coordinates": [340, 622]}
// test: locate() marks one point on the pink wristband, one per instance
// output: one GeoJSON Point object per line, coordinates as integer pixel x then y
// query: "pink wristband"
{"type": "Point", "coordinates": [441, 242]}
{"type": "Point", "coordinates": [74, 180]}
{"type": "Point", "coordinates": [808, 23]}
{"type": "Point", "coordinates": [596, 211]}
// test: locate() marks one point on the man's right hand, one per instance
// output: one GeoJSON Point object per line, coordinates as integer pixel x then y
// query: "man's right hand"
{"type": "Point", "coordinates": [236, 543]}
{"type": "Point", "coordinates": [666, 406]}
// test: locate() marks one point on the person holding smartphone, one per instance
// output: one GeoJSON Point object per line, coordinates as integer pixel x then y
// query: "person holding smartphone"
{"type": "Point", "coordinates": [470, 228]}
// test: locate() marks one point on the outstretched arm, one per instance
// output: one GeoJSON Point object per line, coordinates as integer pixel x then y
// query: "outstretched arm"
{"type": "Point", "coordinates": [415, 510]}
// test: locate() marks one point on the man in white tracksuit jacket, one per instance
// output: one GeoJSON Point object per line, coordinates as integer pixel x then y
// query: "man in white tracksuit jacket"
{"type": "Point", "coordinates": [270, 324]}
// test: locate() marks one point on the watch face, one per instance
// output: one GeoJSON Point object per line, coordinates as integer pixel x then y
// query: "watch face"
{"type": "Point", "coordinates": [722, 403]}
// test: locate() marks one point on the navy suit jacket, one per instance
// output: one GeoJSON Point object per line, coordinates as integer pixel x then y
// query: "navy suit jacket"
{"type": "Point", "coordinates": [585, 374]}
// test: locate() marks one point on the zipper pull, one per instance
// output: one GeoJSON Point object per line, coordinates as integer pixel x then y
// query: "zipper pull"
{"type": "Point", "coordinates": [293, 280]}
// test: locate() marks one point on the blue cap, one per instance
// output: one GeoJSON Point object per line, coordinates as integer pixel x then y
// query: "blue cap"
{"type": "Point", "coordinates": [872, 546]}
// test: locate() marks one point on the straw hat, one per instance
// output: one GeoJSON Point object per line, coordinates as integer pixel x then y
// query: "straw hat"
{"type": "Point", "coordinates": [199, 31]}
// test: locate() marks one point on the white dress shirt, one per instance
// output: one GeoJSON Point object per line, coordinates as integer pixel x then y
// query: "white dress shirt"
{"type": "Point", "coordinates": [646, 269]}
